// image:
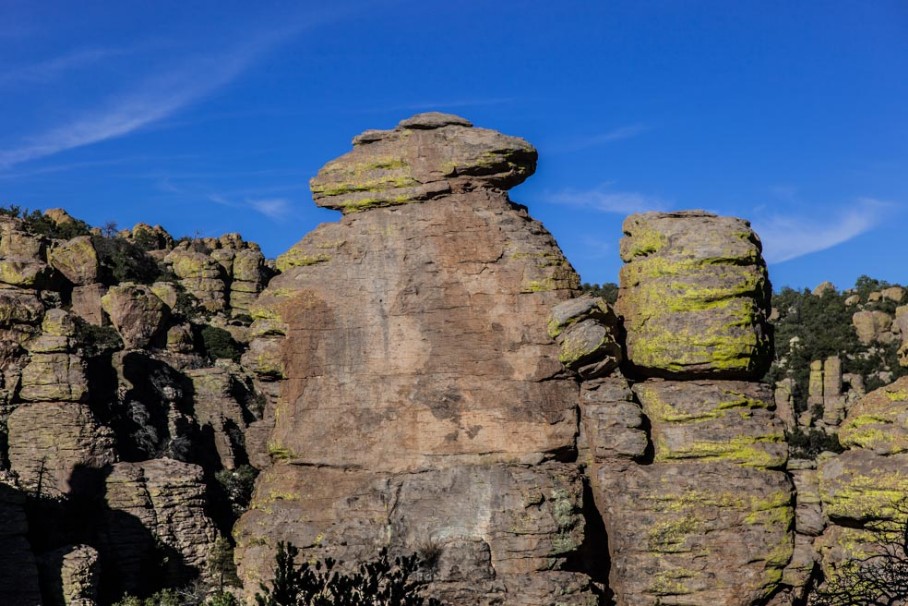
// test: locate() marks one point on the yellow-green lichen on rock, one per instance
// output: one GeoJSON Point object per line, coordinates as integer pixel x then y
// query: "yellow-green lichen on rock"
{"type": "Point", "coordinates": [879, 421]}
{"type": "Point", "coordinates": [424, 157]}
{"type": "Point", "coordinates": [694, 296]}
{"type": "Point", "coordinates": [859, 486]}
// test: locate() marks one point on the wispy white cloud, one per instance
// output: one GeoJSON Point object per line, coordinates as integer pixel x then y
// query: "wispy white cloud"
{"type": "Point", "coordinates": [789, 237]}
{"type": "Point", "coordinates": [44, 71]}
{"type": "Point", "coordinates": [273, 208]}
{"type": "Point", "coordinates": [603, 199]}
{"type": "Point", "coordinates": [621, 133]}
{"type": "Point", "coordinates": [153, 99]}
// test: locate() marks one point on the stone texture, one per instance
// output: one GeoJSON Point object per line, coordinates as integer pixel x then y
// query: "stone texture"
{"type": "Point", "coordinates": [70, 575]}
{"type": "Point", "coordinates": [19, 306]}
{"type": "Point", "coordinates": [86, 303]}
{"type": "Point", "coordinates": [423, 396]}
{"type": "Point", "coordinates": [503, 531]}
{"type": "Point", "coordinates": [51, 377]}
{"type": "Point", "coordinates": [696, 532]}
{"type": "Point", "coordinates": [202, 276]}
{"type": "Point", "coordinates": [694, 296]}
{"type": "Point", "coordinates": [22, 258]}
{"type": "Point", "coordinates": [76, 259]}
{"type": "Point", "coordinates": [161, 502]}
{"type": "Point", "coordinates": [872, 326]}
{"type": "Point", "coordinates": [586, 328]}
{"type": "Point", "coordinates": [57, 447]}
{"type": "Point", "coordinates": [217, 410]}
{"type": "Point", "coordinates": [425, 157]}
{"type": "Point", "coordinates": [713, 421]}
{"type": "Point", "coordinates": [879, 421]}
{"type": "Point", "coordinates": [136, 312]}
{"type": "Point", "coordinates": [859, 486]}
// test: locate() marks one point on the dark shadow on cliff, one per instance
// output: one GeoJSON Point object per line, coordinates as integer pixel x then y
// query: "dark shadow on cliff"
{"type": "Point", "coordinates": [592, 557]}
{"type": "Point", "coordinates": [131, 558]}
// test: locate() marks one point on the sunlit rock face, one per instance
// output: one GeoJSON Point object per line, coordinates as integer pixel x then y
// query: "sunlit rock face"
{"type": "Point", "coordinates": [424, 401]}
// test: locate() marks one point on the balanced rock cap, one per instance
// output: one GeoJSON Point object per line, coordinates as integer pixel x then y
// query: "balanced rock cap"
{"type": "Point", "coordinates": [424, 157]}
{"type": "Point", "coordinates": [694, 296]}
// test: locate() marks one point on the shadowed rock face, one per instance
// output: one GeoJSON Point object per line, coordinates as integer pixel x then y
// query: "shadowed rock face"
{"type": "Point", "coordinates": [424, 401]}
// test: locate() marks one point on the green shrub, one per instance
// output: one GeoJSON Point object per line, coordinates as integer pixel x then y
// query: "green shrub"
{"type": "Point", "coordinates": [39, 224]}
{"type": "Point", "coordinates": [238, 485]}
{"type": "Point", "coordinates": [218, 343]}
{"type": "Point", "coordinates": [122, 261]}
{"type": "Point", "coordinates": [809, 444]}
{"type": "Point", "coordinates": [606, 290]}
{"type": "Point", "coordinates": [381, 582]}
{"type": "Point", "coordinates": [97, 340]}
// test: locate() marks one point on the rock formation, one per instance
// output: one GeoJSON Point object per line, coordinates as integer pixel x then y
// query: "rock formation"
{"type": "Point", "coordinates": [425, 375]}
{"type": "Point", "coordinates": [424, 402]}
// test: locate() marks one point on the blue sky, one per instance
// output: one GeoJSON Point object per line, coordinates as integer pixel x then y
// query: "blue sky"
{"type": "Point", "coordinates": [210, 117]}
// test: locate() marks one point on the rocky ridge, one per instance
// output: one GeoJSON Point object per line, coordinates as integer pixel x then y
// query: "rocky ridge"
{"type": "Point", "coordinates": [423, 375]}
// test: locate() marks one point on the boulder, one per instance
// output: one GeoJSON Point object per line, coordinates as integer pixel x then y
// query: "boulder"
{"type": "Point", "coordinates": [872, 326]}
{"type": "Point", "coordinates": [76, 259]}
{"type": "Point", "coordinates": [823, 288]}
{"type": "Point", "coordinates": [22, 259]}
{"type": "Point", "coordinates": [56, 376]}
{"type": "Point", "coordinates": [427, 156]}
{"type": "Point", "coordinates": [201, 276]}
{"type": "Point", "coordinates": [694, 296]}
{"type": "Point", "coordinates": [879, 421]}
{"type": "Point", "coordinates": [696, 532]}
{"type": "Point", "coordinates": [136, 312]}
{"type": "Point", "coordinates": [86, 303]}
{"type": "Point", "coordinates": [586, 328]}
{"type": "Point", "coordinates": [729, 421]}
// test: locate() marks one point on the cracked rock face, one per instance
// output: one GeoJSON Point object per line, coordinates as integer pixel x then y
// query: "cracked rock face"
{"type": "Point", "coordinates": [424, 400]}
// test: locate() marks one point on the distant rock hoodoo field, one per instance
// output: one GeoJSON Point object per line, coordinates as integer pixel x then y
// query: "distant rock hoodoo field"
{"type": "Point", "coordinates": [426, 375]}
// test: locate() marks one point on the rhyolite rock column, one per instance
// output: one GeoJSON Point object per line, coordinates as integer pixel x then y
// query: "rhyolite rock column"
{"type": "Point", "coordinates": [683, 448]}
{"type": "Point", "coordinates": [694, 296]}
{"type": "Point", "coordinates": [424, 407]}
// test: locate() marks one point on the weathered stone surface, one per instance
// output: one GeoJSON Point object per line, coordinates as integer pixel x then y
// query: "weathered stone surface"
{"type": "Point", "coordinates": [159, 501]}
{"type": "Point", "coordinates": [810, 519]}
{"type": "Point", "coordinates": [696, 533]}
{"type": "Point", "coordinates": [894, 293]}
{"type": "Point", "coordinates": [510, 528]}
{"type": "Point", "coordinates": [694, 296]}
{"type": "Point", "coordinates": [879, 421]}
{"type": "Point", "coordinates": [22, 258]}
{"type": "Point", "coordinates": [612, 424]}
{"type": "Point", "coordinates": [50, 377]}
{"type": "Point", "coordinates": [69, 576]}
{"type": "Point", "coordinates": [216, 408]}
{"type": "Point", "coordinates": [586, 328]}
{"type": "Point", "coordinates": [713, 421]}
{"type": "Point", "coordinates": [18, 570]}
{"type": "Point", "coordinates": [411, 372]}
{"type": "Point", "coordinates": [86, 303]}
{"type": "Point", "coordinates": [859, 486]}
{"type": "Point", "coordinates": [76, 259]}
{"type": "Point", "coordinates": [429, 156]}
{"type": "Point", "coordinates": [423, 394]}
{"type": "Point", "coordinates": [136, 312]}
{"type": "Point", "coordinates": [872, 326]}
{"type": "Point", "coordinates": [19, 306]}
{"type": "Point", "coordinates": [56, 447]}
{"type": "Point", "coordinates": [201, 275]}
